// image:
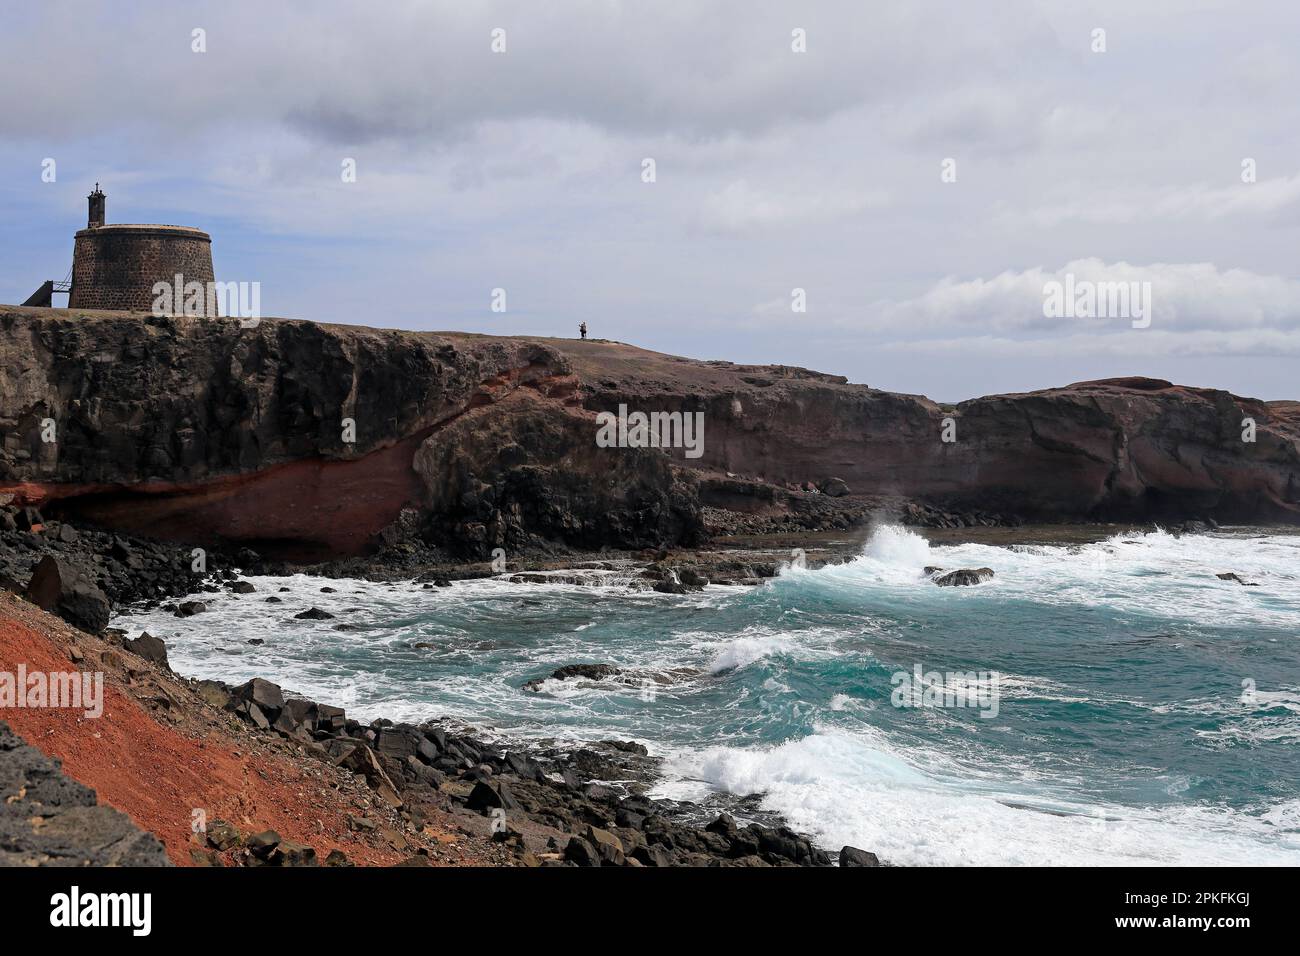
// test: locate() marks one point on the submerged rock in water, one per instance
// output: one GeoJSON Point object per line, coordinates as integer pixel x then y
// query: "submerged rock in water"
{"type": "Point", "coordinates": [1233, 576]}
{"type": "Point", "coordinates": [963, 577]}
{"type": "Point", "coordinates": [572, 671]}
{"type": "Point", "coordinates": [190, 608]}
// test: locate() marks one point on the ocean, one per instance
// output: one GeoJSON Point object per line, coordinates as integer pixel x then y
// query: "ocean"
{"type": "Point", "coordinates": [1133, 708]}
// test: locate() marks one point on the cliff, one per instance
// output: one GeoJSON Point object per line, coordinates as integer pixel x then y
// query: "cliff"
{"type": "Point", "coordinates": [309, 439]}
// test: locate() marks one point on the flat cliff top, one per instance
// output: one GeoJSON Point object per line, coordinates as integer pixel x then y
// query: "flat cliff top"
{"type": "Point", "coordinates": [614, 364]}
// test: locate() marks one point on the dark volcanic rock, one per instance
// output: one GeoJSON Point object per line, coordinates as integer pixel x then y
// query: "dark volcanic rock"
{"type": "Point", "coordinates": [469, 443]}
{"type": "Point", "coordinates": [263, 693]}
{"type": "Point", "coordinates": [607, 824]}
{"type": "Point", "coordinates": [964, 577]}
{"type": "Point", "coordinates": [47, 819]}
{"type": "Point", "coordinates": [489, 795]}
{"type": "Point", "coordinates": [314, 614]}
{"type": "Point", "coordinates": [58, 587]}
{"type": "Point", "coordinates": [852, 856]}
{"type": "Point", "coordinates": [1233, 576]}
{"type": "Point", "coordinates": [574, 672]}
{"type": "Point", "coordinates": [151, 648]}
{"type": "Point", "coordinates": [578, 851]}
{"type": "Point", "coordinates": [834, 487]}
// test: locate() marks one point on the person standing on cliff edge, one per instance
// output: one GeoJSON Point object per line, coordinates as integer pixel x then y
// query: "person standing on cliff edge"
{"type": "Point", "coordinates": [582, 330]}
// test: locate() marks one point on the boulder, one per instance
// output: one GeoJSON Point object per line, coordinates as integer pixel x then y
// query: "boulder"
{"type": "Point", "coordinates": [608, 847]}
{"type": "Point", "coordinates": [152, 649]}
{"type": "Point", "coordinates": [490, 795]}
{"type": "Point", "coordinates": [303, 712]}
{"type": "Point", "coordinates": [525, 767]}
{"type": "Point", "coordinates": [259, 718]}
{"type": "Point", "coordinates": [58, 587]}
{"type": "Point", "coordinates": [574, 671]}
{"type": "Point", "coordinates": [263, 844]}
{"type": "Point", "coordinates": [190, 608]}
{"type": "Point", "coordinates": [263, 693]}
{"type": "Point", "coordinates": [398, 741]}
{"type": "Point", "coordinates": [214, 692]}
{"type": "Point", "coordinates": [852, 856]}
{"type": "Point", "coordinates": [964, 577]}
{"type": "Point", "coordinates": [581, 852]}
{"type": "Point", "coordinates": [242, 587]}
{"type": "Point", "coordinates": [652, 856]}
{"type": "Point", "coordinates": [426, 750]}
{"type": "Point", "coordinates": [361, 759]}
{"type": "Point", "coordinates": [221, 835]}
{"type": "Point", "coordinates": [313, 614]}
{"type": "Point", "coordinates": [672, 586]}
{"type": "Point", "coordinates": [329, 717]}
{"type": "Point", "coordinates": [289, 853]}
{"type": "Point", "coordinates": [834, 488]}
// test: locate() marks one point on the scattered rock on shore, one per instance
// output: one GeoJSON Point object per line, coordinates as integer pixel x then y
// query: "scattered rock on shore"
{"type": "Point", "coordinates": [852, 856]}
{"type": "Point", "coordinates": [834, 487]}
{"type": "Point", "coordinates": [58, 587]}
{"type": "Point", "coordinates": [153, 649]}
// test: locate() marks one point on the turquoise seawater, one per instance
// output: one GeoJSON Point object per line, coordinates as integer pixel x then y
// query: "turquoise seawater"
{"type": "Point", "coordinates": [1144, 711]}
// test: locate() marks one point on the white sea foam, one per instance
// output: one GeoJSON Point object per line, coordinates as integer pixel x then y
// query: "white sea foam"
{"type": "Point", "coordinates": [747, 650]}
{"type": "Point", "coordinates": [1127, 572]}
{"type": "Point", "coordinates": [962, 801]}
{"type": "Point", "coordinates": [857, 790]}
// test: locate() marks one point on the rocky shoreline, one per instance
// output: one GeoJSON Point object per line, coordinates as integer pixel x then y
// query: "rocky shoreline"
{"type": "Point", "coordinates": [585, 805]}
{"type": "Point", "coordinates": [582, 806]}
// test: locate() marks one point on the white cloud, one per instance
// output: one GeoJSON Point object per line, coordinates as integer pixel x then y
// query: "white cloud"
{"type": "Point", "coordinates": [1185, 296]}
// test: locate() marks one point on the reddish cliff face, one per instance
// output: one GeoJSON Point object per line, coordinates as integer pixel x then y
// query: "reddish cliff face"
{"type": "Point", "coordinates": [309, 439]}
{"type": "Point", "coordinates": [1119, 449]}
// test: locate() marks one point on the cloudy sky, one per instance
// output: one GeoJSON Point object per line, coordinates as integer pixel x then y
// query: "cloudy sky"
{"type": "Point", "coordinates": [774, 170]}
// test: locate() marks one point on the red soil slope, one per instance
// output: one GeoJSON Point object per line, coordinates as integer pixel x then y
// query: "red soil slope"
{"type": "Point", "coordinates": [157, 773]}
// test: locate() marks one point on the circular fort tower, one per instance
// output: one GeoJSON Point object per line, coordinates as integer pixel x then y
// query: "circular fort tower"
{"type": "Point", "coordinates": [116, 267]}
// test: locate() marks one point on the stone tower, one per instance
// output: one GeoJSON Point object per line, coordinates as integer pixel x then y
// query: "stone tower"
{"type": "Point", "coordinates": [96, 208]}
{"type": "Point", "coordinates": [116, 266]}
